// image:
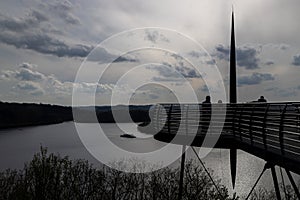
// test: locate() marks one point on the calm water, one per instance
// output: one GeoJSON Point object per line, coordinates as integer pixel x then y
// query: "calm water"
{"type": "Point", "coordinates": [17, 146]}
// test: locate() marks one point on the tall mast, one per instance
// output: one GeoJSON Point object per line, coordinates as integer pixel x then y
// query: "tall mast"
{"type": "Point", "coordinates": [232, 89]}
{"type": "Point", "coordinates": [232, 97]}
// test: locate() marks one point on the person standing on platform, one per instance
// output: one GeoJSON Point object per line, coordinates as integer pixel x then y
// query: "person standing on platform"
{"type": "Point", "coordinates": [262, 99]}
{"type": "Point", "coordinates": [205, 115]}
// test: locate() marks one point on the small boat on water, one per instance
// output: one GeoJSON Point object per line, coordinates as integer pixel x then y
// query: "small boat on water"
{"type": "Point", "coordinates": [126, 135]}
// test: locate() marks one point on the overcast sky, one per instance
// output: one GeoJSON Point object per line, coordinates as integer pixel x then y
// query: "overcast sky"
{"type": "Point", "coordinates": [43, 44]}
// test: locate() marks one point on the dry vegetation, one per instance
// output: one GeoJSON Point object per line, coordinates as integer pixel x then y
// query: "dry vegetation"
{"type": "Point", "coordinates": [50, 176]}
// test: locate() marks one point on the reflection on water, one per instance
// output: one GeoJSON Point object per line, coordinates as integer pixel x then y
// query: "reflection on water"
{"type": "Point", "coordinates": [18, 146]}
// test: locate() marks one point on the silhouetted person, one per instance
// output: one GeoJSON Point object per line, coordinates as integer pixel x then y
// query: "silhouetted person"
{"type": "Point", "coordinates": [207, 100]}
{"type": "Point", "coordinates": [262, 99]}
{"type": "Point", "coordinates": [261, 108]}
{"type": "Point", "coordinates": [205, 114]}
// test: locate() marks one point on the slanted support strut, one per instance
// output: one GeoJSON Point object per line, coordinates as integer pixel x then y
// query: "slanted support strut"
{"type": "Point", "coordinates": [181, 173]}
{"type": "Point", "coordinates": [276, 185]}
{"type": "Point", "coordinates": [293, 183]}
{"type": "Point", "coordinates": [267, 166]}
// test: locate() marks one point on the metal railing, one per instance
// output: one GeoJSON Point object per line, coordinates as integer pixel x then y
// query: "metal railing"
{"type": "Point", "coordinates": [270, 126]}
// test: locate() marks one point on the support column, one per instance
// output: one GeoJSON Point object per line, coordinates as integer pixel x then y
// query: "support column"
{"type": "Point", "coordinates": [233, 160]}
{"type": "Point", "coordinates": [181, 173]}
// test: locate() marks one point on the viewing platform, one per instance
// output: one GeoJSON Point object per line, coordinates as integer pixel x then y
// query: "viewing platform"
{"type": "Point", "coordinates": [270, 131]}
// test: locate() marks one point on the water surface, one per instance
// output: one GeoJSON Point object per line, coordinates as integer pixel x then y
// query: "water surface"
{"type": "Point", "coordinates": [17, 146]}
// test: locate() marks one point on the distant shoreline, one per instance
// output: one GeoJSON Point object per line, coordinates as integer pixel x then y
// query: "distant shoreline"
{"type": "Point", "coordinates": [30, 125]}
{"type": "Point", "coordinates": [17, 115]}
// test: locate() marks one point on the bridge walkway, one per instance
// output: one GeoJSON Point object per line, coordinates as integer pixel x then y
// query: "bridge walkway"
{"type": "Point", "coordinates": [270, 131]}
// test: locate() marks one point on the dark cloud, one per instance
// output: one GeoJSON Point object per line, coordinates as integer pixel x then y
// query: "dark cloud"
{"type": "Point", "coordinates": [296, 60]}
{"type": "Point", "coordinates": [177, 57]}
{"type": "Point", "coordinates": [125, 59]}
{"type": "Point", "coordinates": [155, 36]}
{"type": "Point", "coordinates": [167, 79]}
{"type": "Point", "coordinates": [165, 71]}
{"type": "Point", "coordinates": [33, 32]}
{"type": "Point", "coordinates": [173, 73]}
{"type": "Point", "coordinates": [32, 20]}
{"type": "Point", "coordinates": [245, 56]}
{"type": "Point", "coordinates": [180, 66]}
{"type": "Point", "coordinates": [186, 72]}
{"type": "Point", "coordinates": [198, 54]}
{"type": "Point", "coordinates": [211, 62]}
{"type": "Point", "coordinates": [40, 17]}
{"type": "Point", "coordinates": [27, 65]}
{"type": "Point", "coordinates": [62, 9]}
{"type": "Point", "coordinates": [102, 56]}
{"type": "Point", "coordinates": [151, 36]}
{"type": "Point", "coordinates": [255, 78]}
{"type": "Point", "coordinates": [17, 24]}
{"type": "Point", "coordinates": [45, 44]}
{"type": "Point", "coordinates": [195, 54]}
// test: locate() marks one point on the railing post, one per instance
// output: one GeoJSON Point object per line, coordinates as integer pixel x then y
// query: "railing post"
{"type": "Point", "coordinates": [157, 118]}
{"type": "Point", "coordinates": [282, 115]}
{"type": "Point", "coordinates": [186, 119]}
{"type": "Point", "coordinates": [169, 118]}
{"type": "Point", "coordinates": [250, 125]}
{"type": "Point", "coordinates": [298, 118]}
{"type": "Point", "coordinates": [264, 127]}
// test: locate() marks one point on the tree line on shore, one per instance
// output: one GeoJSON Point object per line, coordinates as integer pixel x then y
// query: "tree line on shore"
{"type": "Point", "coordinates": [30, 114]}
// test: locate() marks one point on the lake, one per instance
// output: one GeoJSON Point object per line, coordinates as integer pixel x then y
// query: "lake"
{"type": "Point", "coordinates": [18, 146]}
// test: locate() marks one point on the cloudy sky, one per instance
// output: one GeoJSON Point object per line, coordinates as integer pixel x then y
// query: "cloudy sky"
{"type": "Point", "coordinates": [44, 43]}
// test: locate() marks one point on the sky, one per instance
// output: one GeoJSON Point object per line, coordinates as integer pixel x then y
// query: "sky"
{"type": "Point", "coordinates": [45, 44]}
